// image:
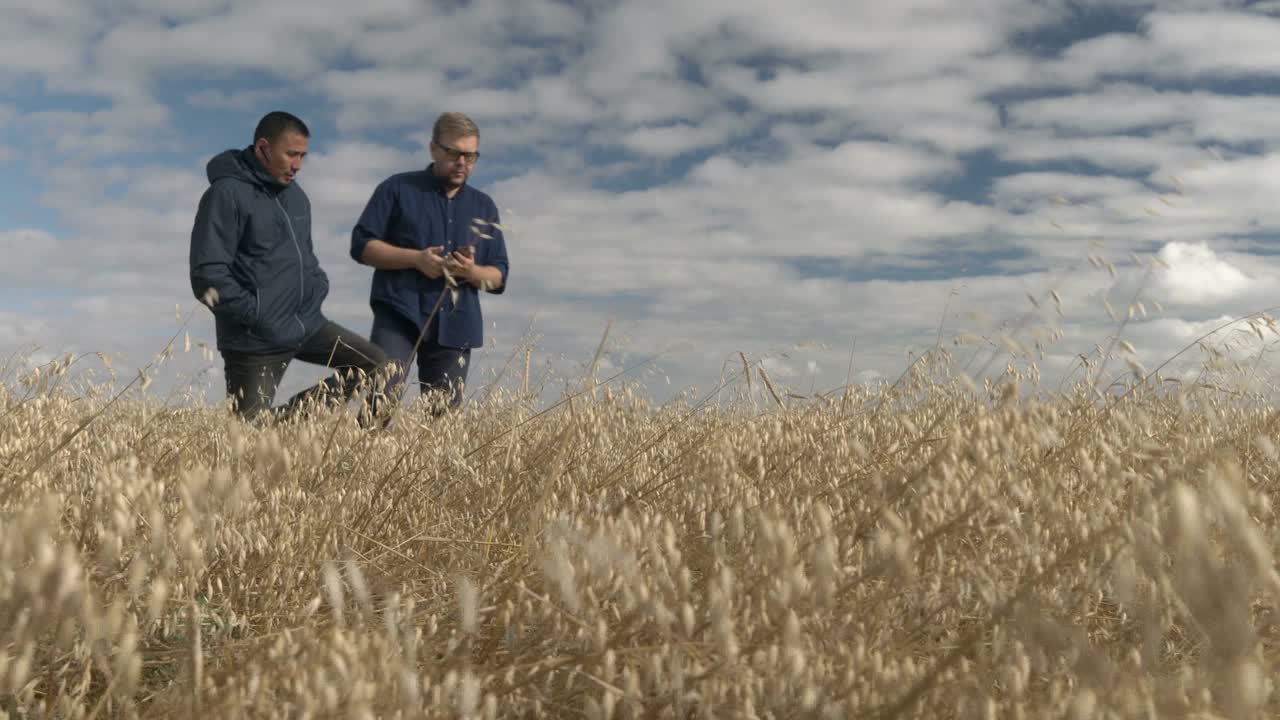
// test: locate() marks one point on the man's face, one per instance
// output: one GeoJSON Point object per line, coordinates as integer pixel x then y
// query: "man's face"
{"type": "Point", "coordinates": [282, 157]}
{"type": "Point", "coordinates": [454, 158]}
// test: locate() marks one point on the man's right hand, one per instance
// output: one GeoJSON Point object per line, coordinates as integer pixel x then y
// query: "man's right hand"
{"type": "Point", "coordinates": [430, 262]}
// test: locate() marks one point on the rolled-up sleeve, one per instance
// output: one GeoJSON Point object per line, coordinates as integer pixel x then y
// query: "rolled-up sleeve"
{"type": "Point", "coordinates": [494, 249]}
{"type": "Point", "coordinates": [373, 222]}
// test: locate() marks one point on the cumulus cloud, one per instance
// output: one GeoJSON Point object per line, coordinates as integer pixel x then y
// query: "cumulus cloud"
{"type": "Point", "coordinates": [1195, 274]}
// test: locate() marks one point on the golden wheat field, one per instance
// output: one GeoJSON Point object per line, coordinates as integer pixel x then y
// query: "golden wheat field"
{"type": "Point", "coordinates": [931, 549]}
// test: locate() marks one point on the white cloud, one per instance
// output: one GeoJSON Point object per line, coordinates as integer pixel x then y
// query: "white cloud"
{"type": "Point", "coordinates": [1128, 108]}
{"type": "Point", "coordinates": [340, 181]}
{"type": "Point", "coordinates": [1208, 42]}
{"type": "Point", "coordinates": [1040, 189]}
{"type": "Point", "coordinates": [1195, 274]}
{"type": "Point", "coordinates": [669, 140]}
{"type": "Point", "coordinates": [43, 38]}
{"type": "Point", "coordinates": [213, 99]}
{"type": "Point", "coordinates": [1216, 43]}
{"type": "Point", "coordinates": [228, 41]}
{"type": "Point", "coordinates": [122, 128]}
{"type": "Point", "coordinates": [1173, 152]}
{"type": "Point", "coordinates": [19, 332]}
{"type": "Point", "coordinates": [27, 253]}
{"type": "Point", "coordinates": [375, 97]}
{"type": "Point", "coordinates": [779, 368]}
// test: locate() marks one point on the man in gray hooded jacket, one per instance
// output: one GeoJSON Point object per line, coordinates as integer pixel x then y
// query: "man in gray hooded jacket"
{"type": "Point", "coordinates": [253, 264]}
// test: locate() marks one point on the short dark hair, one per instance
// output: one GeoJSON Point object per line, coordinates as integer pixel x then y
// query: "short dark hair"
{"type": "Point", "coordinates": [278, 122]}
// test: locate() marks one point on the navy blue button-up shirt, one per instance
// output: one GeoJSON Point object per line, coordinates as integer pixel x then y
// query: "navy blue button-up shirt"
{"type": "Point", "coordinates": [411, 210]}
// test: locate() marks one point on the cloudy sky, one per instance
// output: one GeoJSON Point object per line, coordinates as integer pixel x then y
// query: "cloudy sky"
{"type": "Point", "coordinates": [810, 185]}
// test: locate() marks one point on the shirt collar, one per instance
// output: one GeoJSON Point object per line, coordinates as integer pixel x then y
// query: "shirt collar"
{"type": "Point", "coordinates": [437, 184]}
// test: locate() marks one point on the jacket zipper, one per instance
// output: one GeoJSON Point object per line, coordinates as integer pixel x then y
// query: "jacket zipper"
{"type": "Point", "coordinates": [302, 280]}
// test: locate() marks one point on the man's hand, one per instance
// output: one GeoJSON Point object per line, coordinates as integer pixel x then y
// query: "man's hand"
{"type": "Point", "coordinates": [462, 264]}
{"type": "Point", "coordinates": [431, 262]}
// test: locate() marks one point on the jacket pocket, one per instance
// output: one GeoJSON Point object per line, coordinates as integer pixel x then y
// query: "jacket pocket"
{"type": "Point", "coordinates": [248, 319]}
{"type": "Point", "coordinates": [276, 319]}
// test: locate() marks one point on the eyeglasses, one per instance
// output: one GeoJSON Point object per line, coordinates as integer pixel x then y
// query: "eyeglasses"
{"type": "Point", "coordinates": [454, 153]}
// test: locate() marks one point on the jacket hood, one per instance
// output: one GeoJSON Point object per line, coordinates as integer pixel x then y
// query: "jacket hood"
{"type": "Point", "coordinates": [240, 165]}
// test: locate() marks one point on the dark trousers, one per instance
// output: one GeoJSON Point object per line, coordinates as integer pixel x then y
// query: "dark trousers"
{"type": "Point", "coordinates": [442, 371]}
{"type": "Point", "coordinates": [252, 379]}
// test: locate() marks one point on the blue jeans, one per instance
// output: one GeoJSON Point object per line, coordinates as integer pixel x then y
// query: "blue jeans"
{"type": "Point", "coordinates": [442, 371]}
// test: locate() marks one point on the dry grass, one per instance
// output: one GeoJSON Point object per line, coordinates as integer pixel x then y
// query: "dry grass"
{"type": "Point", "coordinates": [937, 550]}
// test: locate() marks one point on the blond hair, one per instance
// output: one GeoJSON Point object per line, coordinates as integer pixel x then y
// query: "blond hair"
{"type": "Point", "coordinates": [454, 125]}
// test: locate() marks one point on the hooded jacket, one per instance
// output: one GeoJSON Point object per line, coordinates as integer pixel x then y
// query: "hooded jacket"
{"type": "Point", "coordinates": [252, 260]}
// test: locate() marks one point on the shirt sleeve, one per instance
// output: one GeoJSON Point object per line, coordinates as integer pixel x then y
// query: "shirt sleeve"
{"type": "Point", "coordinates": [374, 221]}
{"type": "Point", "coordinates": [493, 249]}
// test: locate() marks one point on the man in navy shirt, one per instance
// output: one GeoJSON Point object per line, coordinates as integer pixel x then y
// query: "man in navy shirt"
{"type": "Point", "coordinates": [434, 242]}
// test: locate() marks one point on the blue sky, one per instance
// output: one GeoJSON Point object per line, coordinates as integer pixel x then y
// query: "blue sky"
{"type": "Point", "coordinates": [709, 178]}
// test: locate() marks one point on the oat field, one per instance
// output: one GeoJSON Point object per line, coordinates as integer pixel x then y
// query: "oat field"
{"type": "Point", "coordinates": [932, 549]}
